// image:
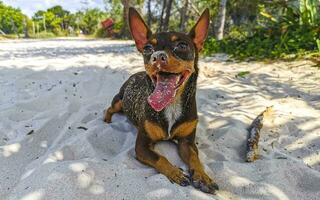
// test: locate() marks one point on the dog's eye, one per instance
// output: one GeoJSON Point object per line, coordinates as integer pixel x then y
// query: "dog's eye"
{"type": "Point", "coordinates": [181, 46]}
{"type": "Point", "coordinates": [148, 49]}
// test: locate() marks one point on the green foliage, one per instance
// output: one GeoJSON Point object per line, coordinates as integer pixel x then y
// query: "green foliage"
{"type": "Point", "coordinates": [308, 10]}
{"type": "Point", "coordinates": [43, 35]}
{"type": "Point", "coordinates": [114, 8]}
{"type": "Point", "coordinates": [253, 29]}
{"type": "Point", "coordinates": [63, 23]}
{"type": "Point", "coordinates": [55, 19]}
{"type": "Point", "coordinates": [11, 19]}
{"type": "Point", "coordinates": [100, 33]}
{"type": "Point", "coordinates": [294, 33]}
{"type": "Point", "coordinates": [242, 74]}
{"type": "Point", "coordinates": [90, 20]}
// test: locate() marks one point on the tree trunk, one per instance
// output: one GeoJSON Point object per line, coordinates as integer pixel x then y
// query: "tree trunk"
{"type": "Point", "coordinates": [149, 13]}
{"type": "Point", "coordinates": [25, 28]}
{"type": "Point", "coordinates": [184, 14]}
{"type": "Point", "coordinates": [219, 27]}
{"type": "Point", "coordinates": [161, 16]}
{"type": "Point", "coordinates": [125, 30]}
{"type": "Point", "coordinates": [166, 19]}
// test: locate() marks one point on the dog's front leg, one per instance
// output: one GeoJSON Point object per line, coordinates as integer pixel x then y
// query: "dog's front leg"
{"type": "Point", "coordinates": [189, 154]}
{"type": "Point", "coordinates": [145, 153]}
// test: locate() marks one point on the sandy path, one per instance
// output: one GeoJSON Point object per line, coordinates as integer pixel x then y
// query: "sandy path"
{"type": "Point", "coordinates": [54, 145]}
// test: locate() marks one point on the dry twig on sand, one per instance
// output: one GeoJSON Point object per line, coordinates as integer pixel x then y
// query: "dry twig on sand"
{"type": "Point", "coordinates": [254, 134]}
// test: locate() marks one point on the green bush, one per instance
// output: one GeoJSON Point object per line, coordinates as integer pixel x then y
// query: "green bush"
{"type": "Point", "coordinates": [266, 43]}
{"type": "Point", "coordinates": [43, 35]}
{"type": "Point", "coordinates": [290, 35]}
{"type": "Point", "coordinates": [11, 19]}
{"type": "Point", "coordinates": [100, 33]}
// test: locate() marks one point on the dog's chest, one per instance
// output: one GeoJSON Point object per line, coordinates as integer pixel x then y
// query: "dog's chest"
{"type": "Point", "coordinates": [172, 114]}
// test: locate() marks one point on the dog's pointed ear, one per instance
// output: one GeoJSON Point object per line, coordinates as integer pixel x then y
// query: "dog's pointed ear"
{"type": "Point", "coordinates": [199, 31]}
{"type": "Point", "coordinates": [138, 28]}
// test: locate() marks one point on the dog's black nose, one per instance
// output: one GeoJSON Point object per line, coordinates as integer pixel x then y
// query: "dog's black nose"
{"type": "Point", "coordinates": [159, 58]}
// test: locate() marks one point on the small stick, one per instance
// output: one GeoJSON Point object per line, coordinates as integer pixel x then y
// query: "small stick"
{"type": "Point", "coordinates": [254, 134]}
{"type": "Point", "coordinates": [82, 127]}
{"type": "Point", "coordinates": [30, 132]}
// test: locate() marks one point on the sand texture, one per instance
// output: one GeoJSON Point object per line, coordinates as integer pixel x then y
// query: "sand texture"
{"type": "Point", "coordinates": [54, 144]}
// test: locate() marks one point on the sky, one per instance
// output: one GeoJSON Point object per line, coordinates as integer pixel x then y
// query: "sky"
{"type": "Point", "coordinates": [29, 7]}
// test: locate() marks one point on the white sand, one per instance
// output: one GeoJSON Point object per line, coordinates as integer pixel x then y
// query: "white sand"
{"type": "Point", "coordinates": [53, 87]}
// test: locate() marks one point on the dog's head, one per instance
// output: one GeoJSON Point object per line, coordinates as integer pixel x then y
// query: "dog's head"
{"type": "Point", "coordinates": [169, 57]}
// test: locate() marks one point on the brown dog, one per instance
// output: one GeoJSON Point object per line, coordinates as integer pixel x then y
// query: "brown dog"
{"type": "Point", "coordinates": [161, 101]}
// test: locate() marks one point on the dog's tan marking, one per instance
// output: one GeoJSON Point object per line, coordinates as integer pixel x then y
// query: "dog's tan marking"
{"type": "Point", "coordinates": [117, 107]}
{"type": "Point", "coordinates": [154, 131]}
{"type": "Point", "coordinates": [173, 38]}
{"type": "Point", "coordinates": [163, 165]}
{"type": "Point", "coordinates": [174, 66]}
{"type": "Point", "coordinates": [189, 154]}
{"type": "Point", "coordinates": [154, 41]}
{"type": "Point", "coordinates": [185, 128]}
{"type": "Point", "coordinates": [178, 65]}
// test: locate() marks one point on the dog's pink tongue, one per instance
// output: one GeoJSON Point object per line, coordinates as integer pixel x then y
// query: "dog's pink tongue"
{"type": "Point", "coordinates": [164, 92]}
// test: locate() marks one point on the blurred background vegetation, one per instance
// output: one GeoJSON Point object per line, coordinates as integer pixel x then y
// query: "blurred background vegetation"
{"type": "Point", "coordinates": [254, 29]}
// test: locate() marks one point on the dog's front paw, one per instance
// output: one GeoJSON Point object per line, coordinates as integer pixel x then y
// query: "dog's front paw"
{"type": "Point", "coordinates": [202, 181]}
{"type": "Point", "coordinates": [107, 116]}
{"type": "Point", "coordinates": [176, 175]}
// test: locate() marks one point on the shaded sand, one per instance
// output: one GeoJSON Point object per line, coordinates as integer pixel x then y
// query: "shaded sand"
{"type": "Point", "coordinates": [54, 144]}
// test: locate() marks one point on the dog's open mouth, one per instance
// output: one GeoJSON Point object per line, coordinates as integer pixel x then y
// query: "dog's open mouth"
{"type": "Point", "coordinates": [166, 86]}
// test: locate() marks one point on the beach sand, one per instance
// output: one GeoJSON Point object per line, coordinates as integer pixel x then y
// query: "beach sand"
{"type": "Point", "coordinates": [54, 144]}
